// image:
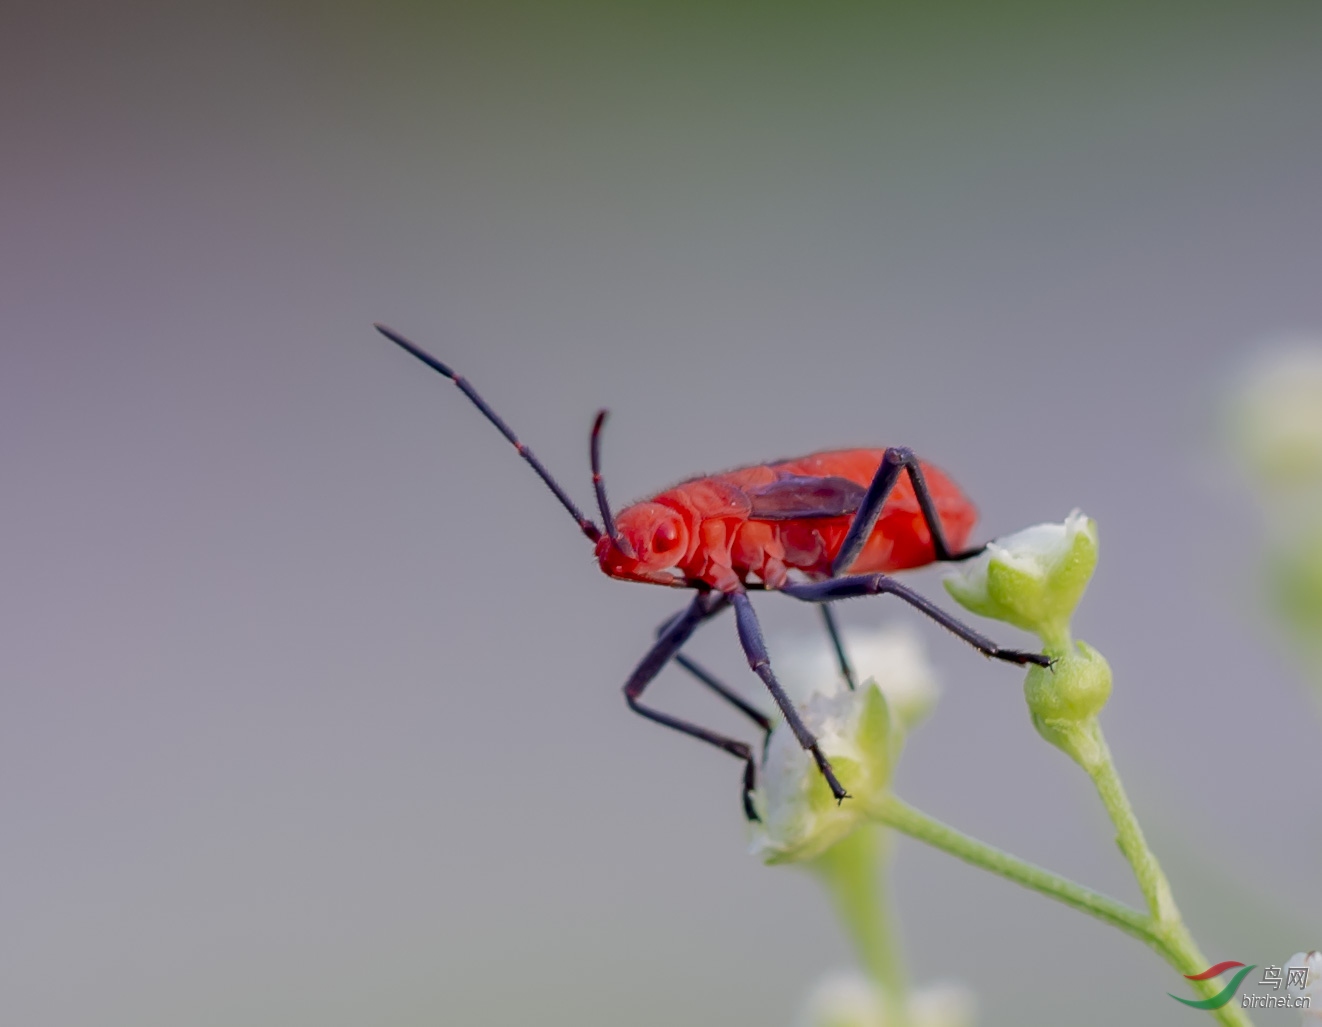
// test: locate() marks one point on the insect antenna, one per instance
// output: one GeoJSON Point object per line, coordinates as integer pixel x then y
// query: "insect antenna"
{"type": "Point", "coordinates": [599, 486]}
{"type": "Point", "coordinates": [585, 524]}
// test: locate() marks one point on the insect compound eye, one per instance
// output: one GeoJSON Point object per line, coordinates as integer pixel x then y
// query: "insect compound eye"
{"type": "Point", "coordinates": [665, 538]}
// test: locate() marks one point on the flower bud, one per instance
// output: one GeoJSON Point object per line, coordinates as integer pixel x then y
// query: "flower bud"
{"type": "Point", "coordinates": [800, 817]}
{"type": "Point", "coordinates": [1065, 698]}
{"type": "Point", "coordinates": [1075, 687]}
{"type": "Point", "coordinates": [1032, 579]}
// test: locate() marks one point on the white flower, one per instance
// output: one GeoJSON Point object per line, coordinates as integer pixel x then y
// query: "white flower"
{"type": "Point", "coordinates": [942, 1005]}
{"type": "Point", "coordinates": [1276, 414]}
{"type": "Point", "coordinates": [1312, 989]}
{"type": "Point", "coordinates": [1033, 578]}
{"type": "Point", "coordinates": [800, 817]}
{"type": "Point", "coordinates": [843, 1000]}
{"type": "Point", "coordinates": [851, 1000]}
{"type": "Point", "coordinates": [859, 732]}
{"type": "Point", "coordinates": [893, 656]}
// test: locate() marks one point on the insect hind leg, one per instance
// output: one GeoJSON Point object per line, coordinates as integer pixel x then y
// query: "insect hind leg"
{"type": "Point", "coordinates": [672, 638]}
{"type": "Point", "coordinates": [838, 644]}
{"type": "Point", "coordinates": [896, 459]}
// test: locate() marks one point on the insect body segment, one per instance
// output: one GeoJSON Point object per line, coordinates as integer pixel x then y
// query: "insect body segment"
{"type": "Point", "coordinates": [767, 520]}
{"type": "Point", "coordinates": [842, 520]}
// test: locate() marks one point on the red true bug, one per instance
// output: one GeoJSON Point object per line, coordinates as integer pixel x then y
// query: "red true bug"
{"type": "Point", "coordinates": [823, 515]}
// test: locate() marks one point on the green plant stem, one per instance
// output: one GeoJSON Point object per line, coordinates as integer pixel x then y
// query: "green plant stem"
{"type": "Point", "coordinates": [856, 872]}
{"type": "Point", "coordinates": [1063, 718]}
{"type": "Point", "coordinates": [895, 812]}
{"type": "Point", "coordinates": [1169, 935]}
{"type": "Point", "coordinates": [1170, 940]}
{"type": "Point", "coordinates": [1100, 766]}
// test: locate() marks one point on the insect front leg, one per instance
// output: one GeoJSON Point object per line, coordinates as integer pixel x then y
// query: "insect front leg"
{"type": "Point", "coordinates": [895, 460]}
{"type": "Point", "coordinates": [716, 685]}
{"type": "Point", "coordinates": [755, 648]}
{"type": "Point", "coordinates": [673, 636]}
{"type": "Point", "coordinates": [736, 700]}
{"type": "Point", "coordinates": [883, 584]}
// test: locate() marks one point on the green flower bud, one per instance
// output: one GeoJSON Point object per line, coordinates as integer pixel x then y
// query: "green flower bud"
{"type": "Point", "coordinates": [1074, 687]}
{"type": "Point", "coordinates": [1032, 579]}
{"type": "Point", "coordinates": [1065, 698]}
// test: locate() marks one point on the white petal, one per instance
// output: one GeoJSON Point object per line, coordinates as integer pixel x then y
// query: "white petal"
{"type": "Point", "coordinates": [893, 656]}
{"type": "Point", "coordinates": [1037, 550]}
{"type": "Point", "coordinates": [848, 999]}
{"type": "Point", "coordinates": [843, 999]}
{"type": "Point", "coordinates": [1313, 961]}
{"type": "Point", "coordinates": [791, 821]}
{"type": "Point", "coordinates": [946, 1004]}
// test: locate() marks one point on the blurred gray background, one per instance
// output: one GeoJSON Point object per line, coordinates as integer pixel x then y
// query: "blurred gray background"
{"type": "Point", "coordinates": [311, 707]}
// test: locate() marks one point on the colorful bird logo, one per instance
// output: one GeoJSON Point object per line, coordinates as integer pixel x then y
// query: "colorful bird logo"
{"type": "Point", "coordinates": [1225, 994]}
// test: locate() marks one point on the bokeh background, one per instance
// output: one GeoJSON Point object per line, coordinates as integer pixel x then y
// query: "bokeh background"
{"type": "Point", "coordinates": [310, 708]}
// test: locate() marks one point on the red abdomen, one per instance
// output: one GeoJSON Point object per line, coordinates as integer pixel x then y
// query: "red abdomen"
{"type": "Point", "coordinates": [900, 538]}
{"type": "Point", "coordinates": [735, 533]}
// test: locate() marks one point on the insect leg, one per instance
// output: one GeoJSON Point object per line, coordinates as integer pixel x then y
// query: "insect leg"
{"type": "Point", "coordinates": [726, 692]}
{"type": "Point", "coordinates": [895, 460]}
{"type": "Point", "coordinates": [880, 584]}
{"type": "Point", "coordinates": [673, 636]}
{"type": "Point", "coordinates": [755, 648]}
{"type": "Point", "coordinates": [715, 684]}
{"type": "Point", "coordinates": [846, 668]}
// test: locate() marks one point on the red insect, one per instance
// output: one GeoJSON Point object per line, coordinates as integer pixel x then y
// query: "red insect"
{"type": "Point", "coordinates": [841, 519]}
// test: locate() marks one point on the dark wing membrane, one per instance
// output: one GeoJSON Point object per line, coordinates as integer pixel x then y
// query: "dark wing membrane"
{"type": "Point", "coordinates": [793, 497]}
